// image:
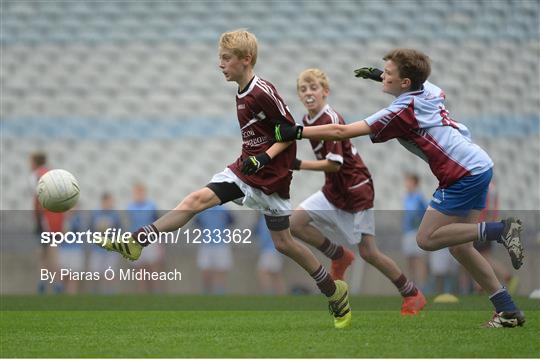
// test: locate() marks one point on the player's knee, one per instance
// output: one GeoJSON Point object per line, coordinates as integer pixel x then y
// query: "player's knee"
{"type": "Point", "coordinates": [281, 247]}
{"type": "Point", "coordinates": [424, 242]}
{"type": "Point", "coordinates": [369, 255]}
{"type": "Point", "coordinates": [296, 229]}
{"type": "Point", "coordinates": [282, 244]}
{"type": "Point", "coordinates": [194, 202]}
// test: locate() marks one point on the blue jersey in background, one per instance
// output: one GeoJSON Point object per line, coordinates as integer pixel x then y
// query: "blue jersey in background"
{"type": "Point", "coordinates": [101, 220]}
{"type": "Point", "coordinates": [141, 214]}
{"type": "Point", "coordinates": [217, 218]}
{"type": "Point", "coordinates": [415, 206]}
{"type": "Point", "coordinates": [265, 240]}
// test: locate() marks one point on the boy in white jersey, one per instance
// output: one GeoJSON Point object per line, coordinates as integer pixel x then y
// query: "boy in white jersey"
{"type": "Point", "coordinates": [259, 178]}
{"type": "Point", "coordinates": [420, 122]}
{"type": "Point", "coordinates": [343, 209]}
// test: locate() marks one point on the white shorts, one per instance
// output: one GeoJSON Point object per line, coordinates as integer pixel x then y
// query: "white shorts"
{"type": "Point", "coordinates": [214, 257]}
{"type": "Point", "coordinates": [71, 258]}
{"type": "Point", "coordinates": [336, 224]}
{"type": "Point", "coordinates": [441, 262]}
{"type": "Point", "coordinates": [271, 261]}
{"type": "Point", "coordinates": [255, 199]}
{"type": "Point", "coordinates": [409, 245]}
{"type": "Point", "coordinates": [150, 255]}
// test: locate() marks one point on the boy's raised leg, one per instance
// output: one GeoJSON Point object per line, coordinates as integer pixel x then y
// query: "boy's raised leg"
{"type": "Point", "coordinates": [173, 220]}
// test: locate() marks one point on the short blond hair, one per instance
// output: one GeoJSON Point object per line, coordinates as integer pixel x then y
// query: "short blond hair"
{"type": "Point", "coordinates": [313, 75]}
{"type": "Point", "coordinates": [241, 42]}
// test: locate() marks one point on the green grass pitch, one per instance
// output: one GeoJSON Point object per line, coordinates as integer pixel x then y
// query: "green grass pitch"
{"type": "Point", "coordinates": [249, 326]}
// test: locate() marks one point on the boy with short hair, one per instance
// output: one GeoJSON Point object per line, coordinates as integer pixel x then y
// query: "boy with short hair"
{"type": "Point", "coordinates": [260, 178]}
{"type": "Point", "coordinates": [421, 123]}
{"type": "Point", "coordinates": [343, 209]}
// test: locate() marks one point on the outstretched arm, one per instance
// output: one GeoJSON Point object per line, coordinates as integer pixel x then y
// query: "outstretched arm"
{"type": "Point", "coordinates": [284, 133]}
{"type": "Point", "coordinates": [336, 131]}
{"type": "Point", "coordinates": [277, 148]}
{"type": "Point", "coordinates": [318, 165]}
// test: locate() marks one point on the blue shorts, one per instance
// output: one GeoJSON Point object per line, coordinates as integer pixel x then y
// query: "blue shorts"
{"type": "Point", "coordinates": [466, 194]}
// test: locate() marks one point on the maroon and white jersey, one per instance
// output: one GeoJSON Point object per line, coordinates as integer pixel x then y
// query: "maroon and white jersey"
{"type": "Point", "coordinates": [259, 108]}
{"type": "Point", "coordinates": [421, 123]}
{"type": "Point", "coordinates": [350, 188]}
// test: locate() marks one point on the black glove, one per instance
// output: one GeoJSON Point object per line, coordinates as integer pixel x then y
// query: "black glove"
{"type": "Point", "coordinates": [368, 73]}
{"type": "Point", "coordinates": [296, 164]}
{"type": "Point", "coordinates": [255, 163]}
{"type": "Point", "coordinates": [285, 132]}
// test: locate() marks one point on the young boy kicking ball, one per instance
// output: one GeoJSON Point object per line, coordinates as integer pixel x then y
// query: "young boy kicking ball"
{"type": "Point", "coordinates": [260, 178]}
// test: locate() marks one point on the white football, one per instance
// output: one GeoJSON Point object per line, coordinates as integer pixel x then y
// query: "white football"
{"type": "Point", "coordinates": [58, 190]}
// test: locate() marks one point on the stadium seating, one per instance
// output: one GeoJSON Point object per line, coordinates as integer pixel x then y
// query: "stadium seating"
{"type": "Point", "coordinates": [112, 89]}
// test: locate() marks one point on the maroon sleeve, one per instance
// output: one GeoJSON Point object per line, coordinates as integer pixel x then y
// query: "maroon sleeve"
{"type": "Point", "coordinates": [392, 122]}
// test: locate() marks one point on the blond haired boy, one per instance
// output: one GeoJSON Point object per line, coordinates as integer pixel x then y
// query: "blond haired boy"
{"type": "Point", "coordinates": [259, 178]}
{"type": "Point", "coordinates": [343, 208]}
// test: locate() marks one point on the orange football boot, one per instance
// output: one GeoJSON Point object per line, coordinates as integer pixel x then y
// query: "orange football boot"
{"type": "Point", "coordinates": [340, 265]}
{"type": "Point", "coordinates": [413, 304]}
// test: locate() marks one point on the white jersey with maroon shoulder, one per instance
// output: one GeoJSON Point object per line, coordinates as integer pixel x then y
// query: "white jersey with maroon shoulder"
{"type": "Point", "coordinates": [421, 123]}
{"type": "Point", "coordinates": [350, 188]}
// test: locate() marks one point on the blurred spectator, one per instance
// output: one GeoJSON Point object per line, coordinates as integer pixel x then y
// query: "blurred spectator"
{"type": "Point", "coordinates": [414, 207]}
{"type": "Point", "coordinates": [214, 257]}
{"type": "Point", "coordinates": [270, 265]}
{"type": "Point", "coordinates": [44, 221]}
{"type": "Point", "coordinates": [443, 270]}
{"type": "Point", "coordinates": [142, 211]}
{"type": "Point", "coordinates": [72, 256]}
{"type": "Point", "coordinates": [101, 220]}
